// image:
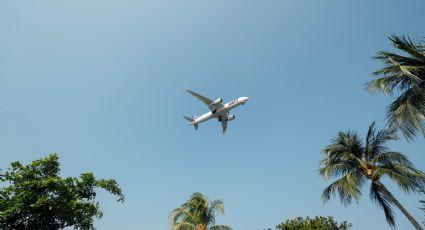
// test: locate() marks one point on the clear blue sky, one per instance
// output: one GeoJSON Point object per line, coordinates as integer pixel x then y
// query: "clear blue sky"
{"type": "Point", "coordinates": [102, 84]}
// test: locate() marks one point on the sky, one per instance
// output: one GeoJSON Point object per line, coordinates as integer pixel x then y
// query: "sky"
{"type": "Point", "coordinates": [102, 84]}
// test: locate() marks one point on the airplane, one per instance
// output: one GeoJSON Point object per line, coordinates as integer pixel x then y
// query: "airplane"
{"type": "Point", "coordinates": [217, 110]}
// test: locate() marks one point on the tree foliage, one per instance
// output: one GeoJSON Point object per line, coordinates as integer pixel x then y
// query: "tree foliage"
{"type": "Point", "coordinates": [353, 163]}
{"type": "Point", "coordinates": [404, 74]}
{"type": "Point", "coordinates": [317, 223]}
{"type": "Point", "coordinates": [198, 213]}
{"type": "Point", "coordinates": [34, 196]}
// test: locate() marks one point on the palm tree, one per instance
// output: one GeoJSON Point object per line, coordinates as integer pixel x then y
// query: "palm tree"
{"type": "Point", "coordinates": [198, 213]}
{"type": "Point", "coordinates": [423, 203]}
{"type": "Point", "coordinates": [354, 163]}
{"type": "Point", "coordinates": [403, 74]}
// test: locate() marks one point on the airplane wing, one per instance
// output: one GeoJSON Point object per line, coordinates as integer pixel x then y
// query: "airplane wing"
{"type": "Point", "coordinates": [201, 98]}
{"type": "Point", "coordinates": [223, 120]}
{"type": "Point", "coordinates": [206, 101]}
{"type": "Point", "coordinates": [224, 125]}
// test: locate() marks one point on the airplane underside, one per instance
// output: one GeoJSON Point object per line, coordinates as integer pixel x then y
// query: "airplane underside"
{"type": "Point", "coordinates": [217, 110]}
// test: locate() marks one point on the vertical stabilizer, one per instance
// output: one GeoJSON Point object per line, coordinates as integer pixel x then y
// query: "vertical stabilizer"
{"type": "Point", "coordinates": [191, 120]}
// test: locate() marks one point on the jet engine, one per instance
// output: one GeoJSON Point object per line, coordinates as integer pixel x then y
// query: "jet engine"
{"type": "Point", "coordinates": [214, 103]}
{"type": "Point", "coordinates": [231, 117]}
{"type": "Point", "coordinates": [218, 101]}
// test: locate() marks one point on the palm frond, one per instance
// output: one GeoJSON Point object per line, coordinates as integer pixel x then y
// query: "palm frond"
{"type": "Point", "coordinates": [400, 73]}
{"type": "Point", "coordinates": [348, 188]}
{"type": "Point", "coordinates": [215, 206]}
{"type": "Point", "coordinates": [220, 227]}
{"type": "Point", "coordinates": [383, 201]}
{"type": "Point", "coordinates": [345, 146]}
{"type": "Point", "coordinates": [405, 43]}
{"type": "Point", "coordinates": [405, 177]}
{"type": "Point", "coordinates": [404, 74]}
{"type": "Point", "coordinates": [183, 226]}
{"type": "Point", "coordinates": [351, 141]}
{"type": "Point", "coordinates": [342, 156]}
{"type": "Point", "coordinates": [389, 58]}
{"type": "Point", "coordinates": [370, 136]}
{"type": "Point", "coordinates": [422, 202]}
{"type": "Point", "coordinates": [336, 170]}
{"type": "Point", "coordinates": [408, 71]}
{"type": "Point", "coordinates": [407, 113]}
{"type": "Point", "coordinates": [384, 85]}
{"type": "Point", "coordinates": [391, 158]}
{"type": "Point", "coordinates": [376, 142]}
{"type": "Point", "coordinates": [197, 211]}
{"type": "Point", "coordinates": [181, 214]}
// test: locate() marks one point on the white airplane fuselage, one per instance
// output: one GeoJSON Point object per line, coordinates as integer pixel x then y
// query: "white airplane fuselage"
{"type": "Point", "coordinates": [221, 111]}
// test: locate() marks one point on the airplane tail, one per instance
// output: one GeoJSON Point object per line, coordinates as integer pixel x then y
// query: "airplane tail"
{"type": "Point", "coordinates": [191, 120]}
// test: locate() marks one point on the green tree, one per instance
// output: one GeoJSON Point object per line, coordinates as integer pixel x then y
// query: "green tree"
{"type": "Point", "coordinates": [34, 196]}
{"type": "Point", "coordinates": [404, 74]}
{"type": "Point", "coordinates": [198, 213]}
{"type": "Point", "coordinates": [317, 223]}
{"type": "Point", "coordinates": [354, 163]}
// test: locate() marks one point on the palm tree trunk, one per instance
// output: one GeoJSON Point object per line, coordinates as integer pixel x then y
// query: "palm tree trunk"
{"type": "Point", "coordinates": [399, 206]}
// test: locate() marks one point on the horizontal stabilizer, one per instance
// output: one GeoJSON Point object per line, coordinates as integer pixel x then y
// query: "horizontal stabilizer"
{"type": "Point", "coordinates": [191, 120]}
